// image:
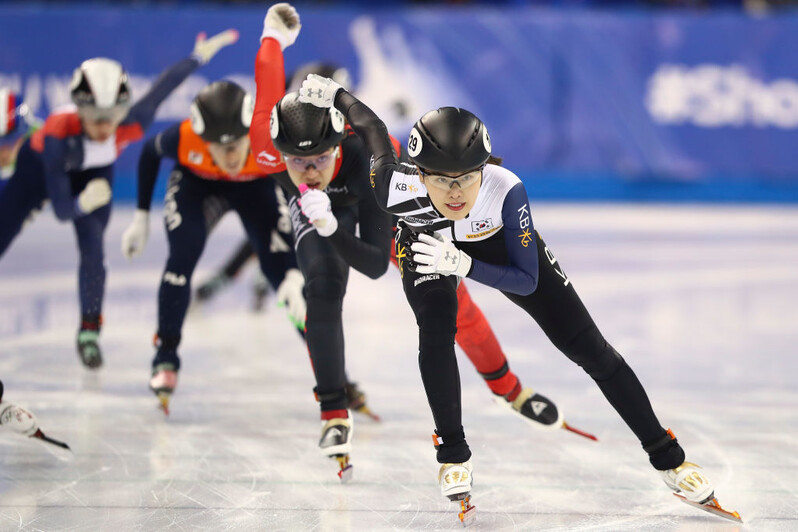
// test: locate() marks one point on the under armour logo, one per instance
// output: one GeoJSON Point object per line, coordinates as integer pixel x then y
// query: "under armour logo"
{"type": "Point", "coordinates": [450, 257]}
{"type": "Point", "coordinates": [310, 93]}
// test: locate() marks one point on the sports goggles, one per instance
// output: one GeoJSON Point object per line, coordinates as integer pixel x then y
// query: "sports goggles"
{"type": "Point", "coordinates": [114, 114]}
{"type": "Point", "coordinates": [445, 182]}
{"type": "Point", "coordinates": [319, 162]}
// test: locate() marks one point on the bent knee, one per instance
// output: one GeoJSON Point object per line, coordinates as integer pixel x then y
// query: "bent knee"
{"type": "Point", "coordinates": [593, 353]}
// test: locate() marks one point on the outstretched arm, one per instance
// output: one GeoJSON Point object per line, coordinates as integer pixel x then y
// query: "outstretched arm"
{"type": "Point", "coordinates": [143, 112]}
{"type": "Point", "coordinates": [280, 30]}
{"type": "Point", "coordinates": [270, 83]}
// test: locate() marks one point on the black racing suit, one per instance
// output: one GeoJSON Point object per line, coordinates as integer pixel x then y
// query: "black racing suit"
{"type": "Point", "coordinates": [509, 255]}
{"type": "Point", "coordinates": [325, 262]}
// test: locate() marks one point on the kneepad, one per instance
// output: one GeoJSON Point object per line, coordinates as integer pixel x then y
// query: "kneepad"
{"type": "Point", "coordinates": [324, 288]}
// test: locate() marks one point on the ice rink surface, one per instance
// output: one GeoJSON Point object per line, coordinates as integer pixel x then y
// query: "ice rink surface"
{"type": "Point", "coordinates": [700, 300]}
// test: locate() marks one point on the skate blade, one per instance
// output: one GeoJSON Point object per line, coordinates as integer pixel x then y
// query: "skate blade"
{"type": "Point", "coordinates": [468, 512]}
{"type": "Point", "coordinates": [713, 506]}
{"type": "Point", "coordinates": [40, 435]}
{"type": "Point", "coordinates": [368, 412]}
{"type": "Point", "coordinates": [587, 435]}
{"type": "Point", "coordinates": [346, 471]}
{"type": "Point", "coordinates": [163, 401]}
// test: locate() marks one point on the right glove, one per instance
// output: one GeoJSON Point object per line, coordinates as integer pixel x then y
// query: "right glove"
{"type": "Point", "coordinates": [205, 49]}
{"type": "Point", "coordinates": [318, 91]}
{"type": "Point", "coordinates": [289, 294]}
{"type": "Point", "coordinates": [437, 254]}
{"type": "Point", "coordinates": [96, 194]}
{"type": "Point", "coordinates": [316, 206]}
{"type": "Point", "coordinates": [135, 236]}
{"type": "Point", "coordinates": [282, 24]}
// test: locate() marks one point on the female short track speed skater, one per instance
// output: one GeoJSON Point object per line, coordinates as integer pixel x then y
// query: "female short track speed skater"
{"type": "Point", "coordinates": [466, 216]}
{"type": "Point", "coordinates": [319, 154]}
{"type": "Point", "coordinates": [327, 183]}
{"type": "Point", "coordinates": [326, 180]}
{"type": "Point", "coordinates": [214, 172]}
{"type": "Point", "coordinates": [70, 161]}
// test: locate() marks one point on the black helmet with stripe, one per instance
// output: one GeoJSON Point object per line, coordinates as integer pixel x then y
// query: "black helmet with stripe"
{"type": "Point", "coordinates": [449, 140]}
{"type": "Point", "coordinates": [222, 112]}
{"type": "Point", "coordinates": [302, 129]}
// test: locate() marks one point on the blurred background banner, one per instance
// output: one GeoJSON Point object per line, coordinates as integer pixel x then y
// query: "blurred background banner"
{"type": "Point", "coordinates": [582, 104]}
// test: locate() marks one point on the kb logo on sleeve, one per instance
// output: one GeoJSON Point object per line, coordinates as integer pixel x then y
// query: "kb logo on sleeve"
{"type": "Point", "coordinates": [525, 222]}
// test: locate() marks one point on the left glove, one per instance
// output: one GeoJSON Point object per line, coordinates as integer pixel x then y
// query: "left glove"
{"type": "Point", "coordinates": [289, 294]}
{"type": "Point", "coordinates": [282, 24]}
{"type": "Point", "coordinates": [316, 206]}
{"type": "Point", "coordinates": [96, 194]}
{"type": "Point", "coordinates": [436, 254]}
{"type": "Point", "coordinates": [135, 236]}
{"type": "Point", "coordinates": [205, 49]}
{"type": "Point", "coordinates": [318, 91]}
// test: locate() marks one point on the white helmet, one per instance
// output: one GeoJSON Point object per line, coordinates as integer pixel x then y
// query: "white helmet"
{"type": "Point", "coordinates": [101, 90]}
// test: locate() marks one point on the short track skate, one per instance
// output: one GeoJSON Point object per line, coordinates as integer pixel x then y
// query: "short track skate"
{"type": "Point", "coordinates": [357, 401]}
{"type": "Point", "coordinates": [21, 421]}
{"type": "Point", "coordinates": [163, 384]}
{"type": "Point", "coordinates": [712, 506]}
{"type": "Point", "coordinates": [89, 350]}
{"type": "Point", "coordinates": [336, 443]}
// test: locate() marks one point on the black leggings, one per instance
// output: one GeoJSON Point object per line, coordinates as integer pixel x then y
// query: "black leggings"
{"type": "Point", "coordinates": [559, 312]}
{"type": "Point", "coordinates": [326, 276]}
{"type": "Point", "coordinates": [192, 207]}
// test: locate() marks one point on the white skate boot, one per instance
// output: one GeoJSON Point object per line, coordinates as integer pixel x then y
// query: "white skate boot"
{"type": "Point", "coordinates": [336, 442]}
{"type": "Point", "coordinates": [690, 482]}
{"type": "Point", "coordinates": [455, 483]}
{"type": "Point", "coordinates": [691, 486]}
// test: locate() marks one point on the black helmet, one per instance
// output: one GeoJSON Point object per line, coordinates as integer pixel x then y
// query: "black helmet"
{"type": "Point", "coordinates": [222, 112]}
{"type": "Point", "coordinates": [340, 75]}
{"type": "Point", "coordinates": [101, 90]}
{"type": "Point", "coordinates": [304, 129]}
{"type": "Point", "coordinates": [450, 140]}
